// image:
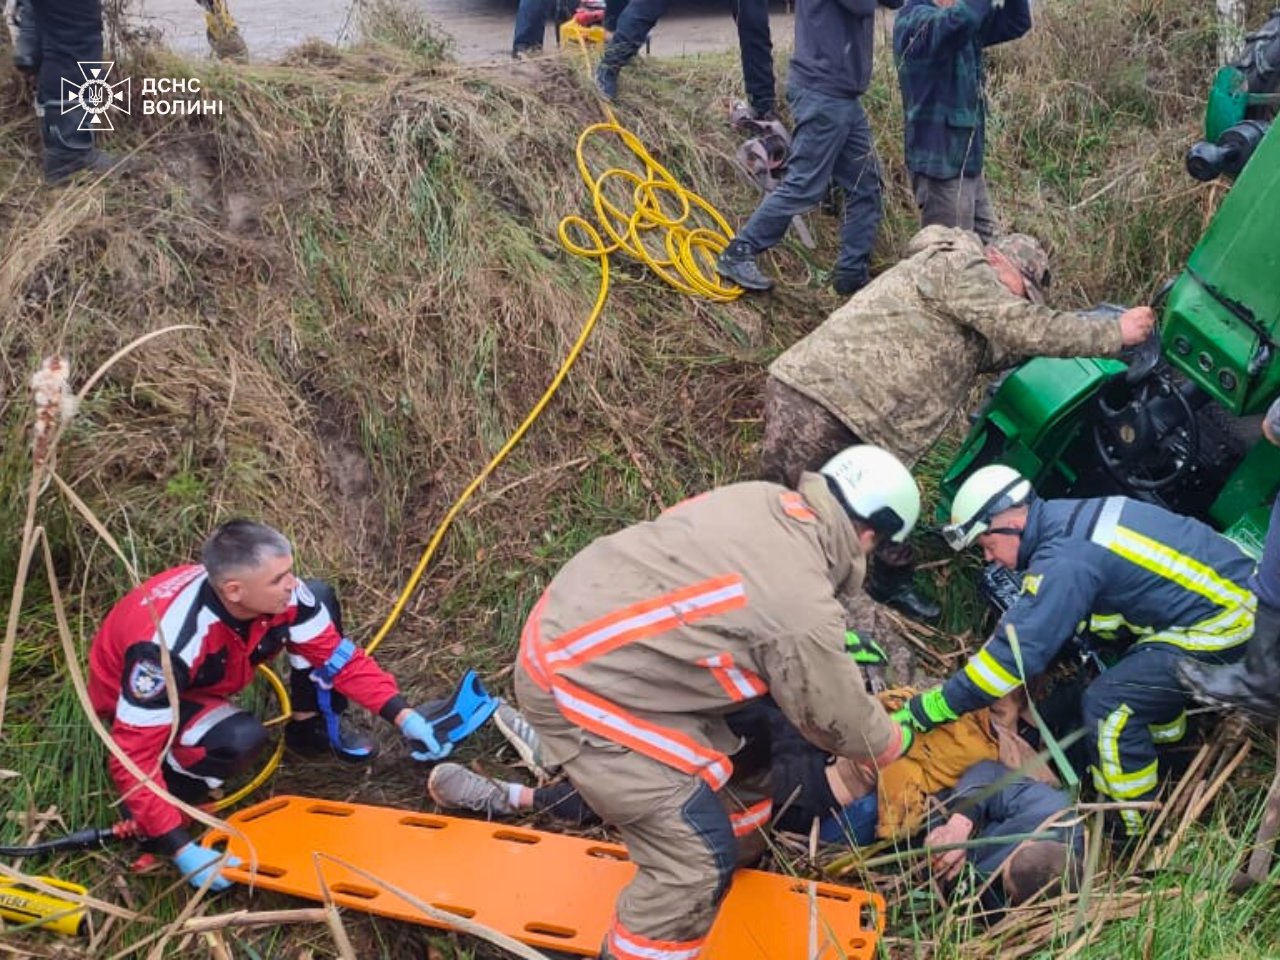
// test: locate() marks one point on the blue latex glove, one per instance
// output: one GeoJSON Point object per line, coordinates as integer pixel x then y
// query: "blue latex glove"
{"type": "Point", "coordinates": [418, 732]}
{"type": "Point", "coordinates": [197, 862]}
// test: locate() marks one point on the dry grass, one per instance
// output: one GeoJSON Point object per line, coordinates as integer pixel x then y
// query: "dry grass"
{"type": "Point", "coordinates": [366, 242]}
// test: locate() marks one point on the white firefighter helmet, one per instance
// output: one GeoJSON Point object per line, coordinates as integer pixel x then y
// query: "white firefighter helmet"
{"type": "Point", "coordinates": [988, 491]}
{"type": "Point", "coordinates": [874, 486]}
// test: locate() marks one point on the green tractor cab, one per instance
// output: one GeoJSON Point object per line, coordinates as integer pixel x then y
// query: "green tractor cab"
{"type": "Point", "coordinates": [1177, 422]}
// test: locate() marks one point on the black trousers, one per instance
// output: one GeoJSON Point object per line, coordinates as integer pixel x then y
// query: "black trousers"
{"type": "Point", "coordinates": [216, 740]}
{"type": "Point", "coordinates": [70, 32]}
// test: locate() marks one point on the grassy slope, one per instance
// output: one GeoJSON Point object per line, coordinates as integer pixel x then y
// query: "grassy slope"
{"type": "Point", "coordinates": [366, 239]}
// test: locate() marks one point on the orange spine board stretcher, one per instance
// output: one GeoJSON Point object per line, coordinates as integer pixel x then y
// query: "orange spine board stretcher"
{"type": "Point", "coordinates": [545, 889]}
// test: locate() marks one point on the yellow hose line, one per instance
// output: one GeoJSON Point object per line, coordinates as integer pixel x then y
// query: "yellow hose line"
{"type": "Point", "coordinates": [687, 263]}
{"type": "Point", "coordinates": [282, 696]}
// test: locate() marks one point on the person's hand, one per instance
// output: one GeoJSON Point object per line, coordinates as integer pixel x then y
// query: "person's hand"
{"type": "Point", "coordinates": [925, 711]}
{"type": "Point", "coordinates": [423, 745]}
{"type": "Point", "coordinates": [196, 863]}
{"type": "Point", "coordinates": [1136, 325]}
{"type": "Point", "coordinates": [1271, 422]}
{"type": "Point", "coordinates": [947, 863]}
{"type": "Point", "coordinates": [864, 650]}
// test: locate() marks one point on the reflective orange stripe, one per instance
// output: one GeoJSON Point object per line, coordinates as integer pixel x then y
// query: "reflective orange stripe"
{"type": "Point", "coordinates": [531, 645]}
{"type": "Point", "coordinates": [794, 505]}
{"type": "Point", "coordinates": [544, 663]}
{"type": "Point", "coordinates": [739, 683]}
{"type": "Point", "coordinates": [610, 721]}
{"type": "Point", "coordinates": [645, 619]}
{"type": "Point", "coordinates": [625, 945]}
{"type": "Point", "coordinates": [752, 818]}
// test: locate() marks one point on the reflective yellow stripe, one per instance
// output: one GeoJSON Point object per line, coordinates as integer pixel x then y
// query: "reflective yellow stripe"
{"type": "Point", "coordinates": [1183, 570]}
{"type": "Point", "coordinates": [1170, 732]}
{"type": "Point", "coordinates": [1111, 779]}
{"type": "Point", "coordinates": [1226, 630]}
{"type": "Point", "coordinates": [1229, 628]}
{"type": "Point", "coordinates": [1104, 623]}
{"type": "Point", "coordinates": [988, 675]}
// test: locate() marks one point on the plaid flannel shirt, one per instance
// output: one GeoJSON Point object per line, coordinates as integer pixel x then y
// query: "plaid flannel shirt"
{"type": "Point", "coordinates": [938, 52]}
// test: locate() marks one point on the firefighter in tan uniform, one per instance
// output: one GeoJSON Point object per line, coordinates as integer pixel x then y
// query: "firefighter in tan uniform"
{"type": "Point", "coordinates": [648, 639]}
{"type": "Point", "coordinates": [895, 364]}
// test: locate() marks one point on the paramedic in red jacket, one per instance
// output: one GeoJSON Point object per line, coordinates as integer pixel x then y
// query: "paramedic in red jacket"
{"type": "Point", "coordinates": [219, 619]}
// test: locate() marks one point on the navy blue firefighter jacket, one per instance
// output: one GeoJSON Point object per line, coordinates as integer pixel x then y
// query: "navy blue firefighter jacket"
{"type": "Point", "coordinates": [1117, 568]}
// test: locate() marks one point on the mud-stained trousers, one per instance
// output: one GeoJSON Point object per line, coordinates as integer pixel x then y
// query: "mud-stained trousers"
{"type": "Point", "coordinates": [684, 838]}
{"type": "Point", "coordinates": [1131, 710]}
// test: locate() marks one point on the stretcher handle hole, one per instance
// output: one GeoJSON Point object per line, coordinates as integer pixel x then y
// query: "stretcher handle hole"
{"type": "Point", "coordinates": [516, 836]}
{"type": "Point", "coordinates": [550, 930]}
{"type": "Point", "coordinates": [858, 943]}
{"type": "Point", "coordinates": [262, 810]}
{"type": "Point", "coordinates": [426, 823]}
{"type": "Point", "coordinates": [355, 890]}
{"type": "Point", "coordinates": [829, 893]}
{"type": "Point", "coordinates": [465, 912]}
{"type": "Point", "coordinates": [266, 870]}
{"type": "Point", "coordinates": [330, 810]}
{"type": "Point", "coordinates": [870, 917]}
{"type": "Point", "coordinates": [608, 853]}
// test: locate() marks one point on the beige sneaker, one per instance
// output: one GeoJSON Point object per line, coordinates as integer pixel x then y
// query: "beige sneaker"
{"type": "Point", "coordinates": [523, 738]}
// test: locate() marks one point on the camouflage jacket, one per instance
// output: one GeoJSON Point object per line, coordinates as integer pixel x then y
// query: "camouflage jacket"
{"type": "Point", "coordinates": [938, 53]}
{"type": "Point", "coordinates": [896, 362]}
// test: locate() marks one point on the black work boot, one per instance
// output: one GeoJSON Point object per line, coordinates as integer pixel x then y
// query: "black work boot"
{"type": "Point", "coordinates": [310, 737]}
{"type": "Point", "coordinates": [848, 282]}
{"type": "Point", "coordinates": [26, 39]}
{"type": "Point", "coordinates": [67, 148]}
{"type": "Point", "coordinates": [617, 54]}
{"type": "Point", "coordinates": [738, 265]}
{"type": "Point", "coordinates": [891, 580]}
{"type": "Point", "coordinates": [1252, 685]}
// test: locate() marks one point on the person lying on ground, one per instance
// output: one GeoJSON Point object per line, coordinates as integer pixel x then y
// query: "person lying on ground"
{"type": "Point", "coordinates": [179, 647]}
{"type": "Point", "coordinates": [895, 365]}
{"type": "Point", "coordinates": [988, 801]}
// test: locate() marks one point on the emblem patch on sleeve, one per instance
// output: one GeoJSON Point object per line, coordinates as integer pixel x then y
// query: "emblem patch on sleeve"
{"type": "Point", "coordinates": [146, 681]}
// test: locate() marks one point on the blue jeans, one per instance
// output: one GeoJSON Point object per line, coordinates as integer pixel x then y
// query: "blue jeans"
{"type": "Point", "coordinates": [531, 23]}
{"type": "Point", "coordinates": [832, 141]}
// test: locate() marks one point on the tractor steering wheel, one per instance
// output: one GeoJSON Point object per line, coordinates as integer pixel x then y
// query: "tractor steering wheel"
{"type": "Point", "coordinates": [1140, 449]}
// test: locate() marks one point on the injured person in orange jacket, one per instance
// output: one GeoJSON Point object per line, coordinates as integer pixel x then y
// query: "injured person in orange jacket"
{"type": "Point", "coordinates": [977, 783]}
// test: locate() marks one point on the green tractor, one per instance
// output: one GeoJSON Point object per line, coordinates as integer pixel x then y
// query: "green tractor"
{"type": "Point", "coordinates": [1178, 422]}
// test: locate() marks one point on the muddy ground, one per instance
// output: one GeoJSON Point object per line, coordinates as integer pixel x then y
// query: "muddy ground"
{"type": "Point", "coordinates": [481, 29]}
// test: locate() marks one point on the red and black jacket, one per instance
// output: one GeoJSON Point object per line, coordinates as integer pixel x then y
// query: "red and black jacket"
{"type": "Point", "coordinates": [213, 656]}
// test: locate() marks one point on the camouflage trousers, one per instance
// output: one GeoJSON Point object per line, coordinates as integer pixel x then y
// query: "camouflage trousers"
{"type": "Point", "coordinates": [800, 434]}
